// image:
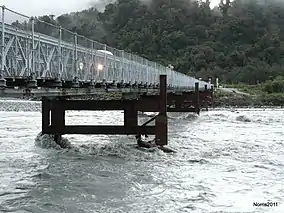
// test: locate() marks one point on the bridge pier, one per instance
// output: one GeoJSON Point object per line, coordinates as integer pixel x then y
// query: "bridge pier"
{"type": "Point", "coordinates": [197, 99]}
{"type": "Point", "coordinates": [57, 83]}
{"type": "Point", "coordinates": [32, 83]}
{"type": "Point", "coordinates": [54, 122]}
{"type": "Point", "coordinates": [3, 82]}
{"type": "Point", "coordinates": [75, 82]}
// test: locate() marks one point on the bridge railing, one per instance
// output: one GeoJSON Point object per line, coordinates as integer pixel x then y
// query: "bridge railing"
{"type": "Point", "coordinates": [33, 47]}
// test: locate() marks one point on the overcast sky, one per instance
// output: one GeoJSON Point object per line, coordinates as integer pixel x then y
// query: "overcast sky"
{"type": "Point", "coordinates": [55, 7]}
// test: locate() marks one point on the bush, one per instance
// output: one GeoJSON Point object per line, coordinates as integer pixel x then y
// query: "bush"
{"type": "Point", "coordinates": [275, 86]}
{"type": "Point", "coordinates": [273, 99]}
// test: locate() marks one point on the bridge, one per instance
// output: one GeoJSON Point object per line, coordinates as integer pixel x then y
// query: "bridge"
{"type": "Point", "coordinates": [62, 64]}
{"type": "Point", "coordinates": [71, 59]}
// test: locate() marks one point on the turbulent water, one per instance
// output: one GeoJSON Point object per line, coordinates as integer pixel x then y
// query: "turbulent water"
{"type": "Point", "coordinates": [226, 161]}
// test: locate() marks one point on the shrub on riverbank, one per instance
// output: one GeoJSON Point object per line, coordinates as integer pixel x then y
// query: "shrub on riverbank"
{"type": "Point", "coordinates": [275, 86]}
{"type": "Point", "coordinates": [273, 99]}
{"type": "Point", "coordinates": [222, 99]}
{"type": "Point", "coordinates": [270, 93]}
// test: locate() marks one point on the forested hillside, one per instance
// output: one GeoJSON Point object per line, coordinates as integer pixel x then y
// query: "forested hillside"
{"type": "Point", "coordinates": [240, 41]}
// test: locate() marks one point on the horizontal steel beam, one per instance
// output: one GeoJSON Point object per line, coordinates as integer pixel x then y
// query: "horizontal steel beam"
{"type": "Point", "coordinates": [53, 92]}
{"type": "Point", "coordinates": [102, 130]}
{"type": "Point", "coordinates": [102, 105]}
{"type": "Point", "coordinates": [93, 104]}
{"type": "Point", "coordinates": [49, 92]}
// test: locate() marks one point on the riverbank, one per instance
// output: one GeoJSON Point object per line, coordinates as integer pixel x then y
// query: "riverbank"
{"type": "Point", "coordinates": [228, 99]}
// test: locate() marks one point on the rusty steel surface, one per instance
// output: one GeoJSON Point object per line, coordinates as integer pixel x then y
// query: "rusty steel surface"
{"type": "Point", "coordinates": [102, 130]}
{"type": "Point", "coordinates": [161, 121]}
{"type": "Point", "coordinates": [190, 101]}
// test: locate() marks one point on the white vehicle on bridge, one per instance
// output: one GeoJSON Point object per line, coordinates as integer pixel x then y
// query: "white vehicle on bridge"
{"type": "Point", "coordinates": [101, 64]}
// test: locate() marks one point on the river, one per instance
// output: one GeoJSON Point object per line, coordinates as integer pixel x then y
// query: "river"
{"type": "Point", "coordinates": [226, 161]}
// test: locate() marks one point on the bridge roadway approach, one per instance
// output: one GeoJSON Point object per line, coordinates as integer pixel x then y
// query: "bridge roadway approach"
{"type": "Point", "coordinates": [131, 101]}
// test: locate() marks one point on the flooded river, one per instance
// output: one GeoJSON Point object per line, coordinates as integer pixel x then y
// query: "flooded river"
{"type": "Point", "coordinates": [226, 161]}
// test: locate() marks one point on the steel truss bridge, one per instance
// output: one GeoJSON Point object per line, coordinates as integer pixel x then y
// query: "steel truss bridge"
{"type": "Point", "coordinates": [31, 58]}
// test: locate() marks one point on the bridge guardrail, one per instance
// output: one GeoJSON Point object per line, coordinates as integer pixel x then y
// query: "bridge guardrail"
{"type": "Point", "coordinates": [49, 51]}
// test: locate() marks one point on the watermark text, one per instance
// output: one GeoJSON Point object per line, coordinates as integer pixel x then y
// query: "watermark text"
{"type": "Point", "coordinates": [265, 204]}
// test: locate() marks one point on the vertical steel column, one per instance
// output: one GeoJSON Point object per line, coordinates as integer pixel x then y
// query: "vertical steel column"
{"type": "Point", "coordinates": [59, 55]}
{"type": "Point", "coordinates": [122, 66]}
{"type": "Point", "coordinates": [45, 113]}
{"type": "Point", "coordinates": [17, 51]}
{"type": "Point", "coordinates": [39, 74]}
{"type": "Point", "coordinates": [3, 44]}
{"type": "Point", "coordinates": [130, 117]}
{"type": "Point", "coordinates": [93, 64]}
{"type": "Point", "coordinates": [105, 64]}
{"type": "Point", "coordinates": [156, 73]}
{"type": "Point", "coordinates": [57, 119]}
{"type": "Point", "coordinates": [27, 63]}
{"type": "Point", "coordinates": [197, 100]}
{"type": "Point", "coordinates": [33, 48]}
{"type": "Point", "coordinates": [76, 56]}
{"type": "Point", "coordinates": [161, 122]}
{"type": "Point", "coordinates": [147, 71]}
{"type": "Point", "coordinates": [212, 96]}
{"type": "Point", "coordinates": [207, 93]}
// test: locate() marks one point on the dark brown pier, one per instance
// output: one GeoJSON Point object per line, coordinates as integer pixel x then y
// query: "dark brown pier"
{"type": "Point", "coordinates": [163, 102]}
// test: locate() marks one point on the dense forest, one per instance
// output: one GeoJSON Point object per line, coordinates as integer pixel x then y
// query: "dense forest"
{"type": "Point", "coordinates": [239, 41]}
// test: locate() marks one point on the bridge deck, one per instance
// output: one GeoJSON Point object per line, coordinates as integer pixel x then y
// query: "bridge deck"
{"type": "Point", "coordinates": [82, 93]}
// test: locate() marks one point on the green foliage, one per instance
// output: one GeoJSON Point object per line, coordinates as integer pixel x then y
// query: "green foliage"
{"type": "Point", "coordinates": [238, 42]}
{"type": "Point", "coordinates": [275, 86]}
{"type": "Point", "coordinates": [255, 89]}
{"type": "Point", "coordinates": [273, 99]}
{"type": "Point", "coordinates": [258, 98]}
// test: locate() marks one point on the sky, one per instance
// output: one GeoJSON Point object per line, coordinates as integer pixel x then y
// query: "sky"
{"type": "Point", "coordinates": [55, 7]}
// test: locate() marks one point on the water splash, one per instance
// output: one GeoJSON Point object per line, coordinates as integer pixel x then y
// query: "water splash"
{"type": "Point", "coordinates": [243, 118]}
{"type": "Point", "coordinates": [46, 141]}
{"type": "Point", "coordinates": [123, 149]}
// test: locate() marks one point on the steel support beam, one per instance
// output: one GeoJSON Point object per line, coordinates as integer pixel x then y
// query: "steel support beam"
{"type": "Point", "coordinates": [161, 121]}
{"type": "Point", "coordinates": [183, 102]}
{"type": "Point", "coordinates": [102, 130]}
